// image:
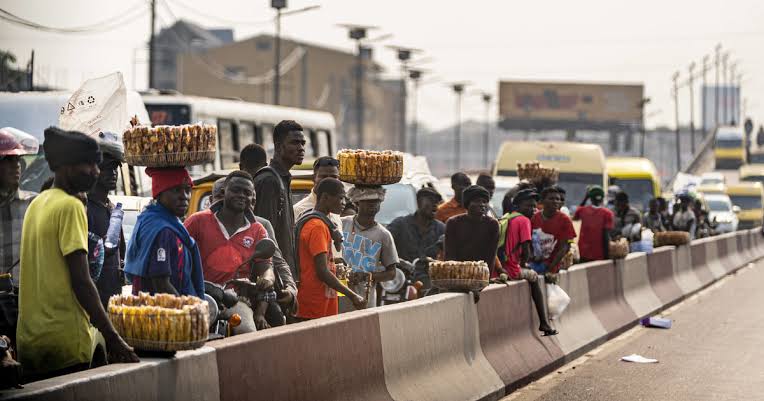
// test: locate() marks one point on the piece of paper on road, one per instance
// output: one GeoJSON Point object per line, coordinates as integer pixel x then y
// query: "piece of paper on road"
{"type": "Point", "coordinates": [638, 359]}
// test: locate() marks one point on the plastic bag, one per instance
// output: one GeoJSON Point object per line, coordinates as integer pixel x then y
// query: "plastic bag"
{"type": "Point", "coordinates": [557, 300]}
{"type": "Point", "coordinates": [99, 105]}
{"type": "Point", "coordinates": [645, 244]}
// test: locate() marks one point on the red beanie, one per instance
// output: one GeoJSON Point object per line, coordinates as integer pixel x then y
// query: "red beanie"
{"type": "Point", "coordinates": [163, 179]}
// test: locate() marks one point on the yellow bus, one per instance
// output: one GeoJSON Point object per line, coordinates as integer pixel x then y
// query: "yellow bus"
{"type": "Point", "coordinates": [637, 176]}
{"type": "Point", "coordinates": [749, 196]}
{"type": "Point", "coordinates": [729, 147]}
{"type": "Point", "coordinates": [580, 164]}
{"type": "Point", "coordinates": [752, 173]}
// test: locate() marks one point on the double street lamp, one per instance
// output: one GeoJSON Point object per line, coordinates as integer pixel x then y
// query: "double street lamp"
{"type": "Point", "coordinates": [279, 5]}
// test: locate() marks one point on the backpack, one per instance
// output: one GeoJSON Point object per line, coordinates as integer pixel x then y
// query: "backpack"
{"type": "Point", "coordinates": [503, 227]}
{"type": "Point", "coordinates": [314, 214]}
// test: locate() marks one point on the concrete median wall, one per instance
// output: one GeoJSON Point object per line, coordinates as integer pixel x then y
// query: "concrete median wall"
{"type": "Point", "coordinates": [444, 347]}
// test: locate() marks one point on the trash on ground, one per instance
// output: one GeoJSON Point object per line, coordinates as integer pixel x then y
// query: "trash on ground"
{"type": "Point", "coordinates": [657, 322]}
{"type": "Point", "coordinates": [638, 359]}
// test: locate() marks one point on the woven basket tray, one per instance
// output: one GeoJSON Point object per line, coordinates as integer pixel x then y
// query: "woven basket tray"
{"type": "Point", "coordinates": [352, 179]}
{"type": "Point", "coordinates": [460, 284]}
{"type": "Point", "coordinates": [171, 159]}
{"type": "Point", "coordinates": [148, 345]}
{"type": "Point", "coordinates": [675, 238]}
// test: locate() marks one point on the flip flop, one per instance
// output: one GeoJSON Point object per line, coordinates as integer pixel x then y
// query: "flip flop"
{"type": "Point", "coordinates": [552, 332]}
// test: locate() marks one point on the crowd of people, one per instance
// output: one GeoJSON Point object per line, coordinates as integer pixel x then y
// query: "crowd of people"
{"type": "Point", "coordinates": [55, 254]}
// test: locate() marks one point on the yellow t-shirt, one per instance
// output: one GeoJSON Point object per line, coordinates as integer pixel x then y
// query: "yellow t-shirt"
{"type": "Point", "coordinates": [53, 329]}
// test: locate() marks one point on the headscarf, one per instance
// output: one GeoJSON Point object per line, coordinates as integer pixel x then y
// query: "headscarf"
{"type": "Point", "coordinates": [63, 148]}
{"type": "Point", "coordinates": [361, 193]}
{"type": "Point", "coordinates": [474, 192]}
{"type": "Point", "coordinates": [163, 179]}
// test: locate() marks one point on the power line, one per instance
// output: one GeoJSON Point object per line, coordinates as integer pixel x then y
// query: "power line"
{"type": "Point", "coordinates": [107, 24]}
{"type": "Point", "coordinates": [221, 19]}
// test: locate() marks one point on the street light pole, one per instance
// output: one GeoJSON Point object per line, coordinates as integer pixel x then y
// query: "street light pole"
{"type": "Point", "coordinates": [692, 108]}
{"type": "Point", "coordinates": [415, 76]}
{"type": "Point", "coordinates": [487, 136]}
{"type": "Point", "coordinates": [733, 109]}
{"type": "Point", "coordinates": [459, 90]}
{"type": "Point", "coordinates": [152, 44]}
{"type": "Point", "coordinates": [278, 5]}
{"type": "Point", "coordinates": [725, 77]}
{"type": "Point", "coordinates": [703, 96]}
{"type": "Point", "coordinates": [404, 56]}
{"type": "Point", "coordinates": [676, 120]}
{"type": "Point", "coordinates": [642, 105]}
{"type": "Point", "coordinates": [717, 60]}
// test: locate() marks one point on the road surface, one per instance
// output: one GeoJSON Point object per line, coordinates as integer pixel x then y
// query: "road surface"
{"type": "Point", "coordinates": [714, 351]}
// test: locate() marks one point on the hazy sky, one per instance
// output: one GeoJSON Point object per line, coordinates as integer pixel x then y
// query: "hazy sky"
{"type": "Point", "coordinates": [481, 42]}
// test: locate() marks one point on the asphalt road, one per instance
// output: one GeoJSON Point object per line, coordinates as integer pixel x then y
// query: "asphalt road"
{"type": "Point", "coordinates": [714, 351]}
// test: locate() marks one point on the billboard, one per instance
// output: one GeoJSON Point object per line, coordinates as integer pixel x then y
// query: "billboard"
{"type": "Point", "coordinates": [557, 105]}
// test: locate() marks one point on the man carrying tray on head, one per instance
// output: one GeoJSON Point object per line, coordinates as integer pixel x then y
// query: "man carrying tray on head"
{"type": "Point", "coordinates": [162, 257]}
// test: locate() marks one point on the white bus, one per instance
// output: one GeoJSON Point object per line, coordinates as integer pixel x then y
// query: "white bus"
{"type": "Point", "coordinates": [241, 123]}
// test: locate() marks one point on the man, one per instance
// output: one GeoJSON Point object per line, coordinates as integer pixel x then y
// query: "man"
{"type": "Point", "coordinates": [664, 212]}
{"type": "Point", "coordinates": [57, 298]}
{"type": "Point", "coordinates": [486, 181]}
{"type": "Point", "coordinates": [252, 158]}
{"type": "Point", "coordinates": [285, 286]}
{"type": "Point", "coordinates": [227, 240]}
{"type": "Point", "coordinates": [318, 284]}
{"type": "Point", "coordinates": [455, 206]}
{"type": "Point", "coordinates": [323, 167]}
{"type": "Point", "coordinates": [684, 217]}
{"type": "Point", "coordinates": [552, 231]}
{"type": "Point", "coordinates": [473, 236]}
{"type": "Point", "coordinates": [652, 218]}
{"type": "Point", "coordinates": [416, 235]}
{"type": "Point", "coordinates": [272, 186]}
{"type": "Point", "coordinates": [517, 248]}
{"type": "Point", "coordinates": [596, 225]}
{"type": "Point", "coordinates": [626, 218]}
{"type": "Point", "coordinates": [162, 256]}
{"type": "Point", "coordinates": [368, 249]}
{"type": "Point", "coordinates": [105, 262]}
{"type": "Point", "coordinates": [13, 204]}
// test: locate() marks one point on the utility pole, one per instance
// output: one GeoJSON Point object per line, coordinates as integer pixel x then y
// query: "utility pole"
{"type": "Point", "coordinates": [703, 96]}
{"type": "Point", "coordinates": [152, 45]}
{"type": "Point", "coordinates": [404, 56]}
{"type": "Point", "coordinates": [416, 76]}
{"type": "Point", "coordinates": [733, 108]}
{"type": "Point", "coordinates": [459, 90]}
{"type": "Point", "coordinates": [641, 106]}
{"type": "Point", "coordinates": [717, 60]}
{"type": "Point", "coordinates": [278, 5]}
{"type": "Point", "coordinates": [31, 72]}
{"type": "Point", "coordinates": [675, 78]}
{"type": "Point", "coordinates": [487, 135]}
{"type": "Point", "coordinates": [725, 77]}
{"type": "Point", "coordinates": [358, 33]}
{"type": "Point", "coordinates": [692, 108]}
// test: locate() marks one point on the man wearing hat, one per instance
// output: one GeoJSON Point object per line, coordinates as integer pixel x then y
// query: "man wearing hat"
{"type": "Point", "coordinates": [596, 224]}
{"type": "Point", "coordinates": [57, 299]}
{"type": "Point", "coordinates": [105, 262]}
{"type": "Point", "coordinates": [13, 203]}
{"type": "Point", "coordinates": [473, 236]}
{"type": "Point", "coordinates": [162, 257]}
{"type": "Point", "coordinates": [368, 247]}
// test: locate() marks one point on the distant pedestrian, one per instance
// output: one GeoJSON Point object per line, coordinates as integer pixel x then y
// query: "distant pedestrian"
{"type": "Point", "coordinates": [684, 217]}
{"type": "Point", "coordinates": [455, 206]}
{"type": "Point", "coordinates": [596, 224]}
{"type": "Point", "coordinates": [628, 220]}
{"type": "Point", "coordinates": [652, 218]}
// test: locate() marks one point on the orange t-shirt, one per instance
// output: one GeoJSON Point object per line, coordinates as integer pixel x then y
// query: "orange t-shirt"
{"type": "Point", "coordinates": [315, 299]}
{"type": "Point", "coordinates": [448, 210]}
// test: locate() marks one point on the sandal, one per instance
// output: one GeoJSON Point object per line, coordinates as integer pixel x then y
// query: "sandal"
{"type": "Point", "coordinates": [550, 332]}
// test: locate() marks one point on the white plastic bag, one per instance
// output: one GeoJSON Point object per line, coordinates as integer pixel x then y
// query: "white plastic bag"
{"type": "Point", "coordinates": [557, 300]}
{"type": "Point", "coordinates": [99, 105]}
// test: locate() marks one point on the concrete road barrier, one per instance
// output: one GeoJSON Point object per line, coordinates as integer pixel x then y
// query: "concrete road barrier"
{"type": "Point", "coordinates": [189, 375]}
{"type": "Point", "coordinates": [337, 358]}
{"type": "Point", "coordinates": [698, 262]}
{"type": "Point", "coordinates": [578, 326]}
{"type": "Point", "coordinates": [684, 274]}
{"type": "Point", "coordinates": [509, 335]}
{"type": "Point", "coordinates": [637, 289]}
{"type": "Point", "coordinates": [660, 270]}
{"type": "Point", "coordinates": [431, 351]}
{"type": "Point", "coordinates": [607, 299]}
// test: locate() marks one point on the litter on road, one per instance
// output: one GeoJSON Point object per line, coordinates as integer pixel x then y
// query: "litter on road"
{"type": "Point", "coordinates": [657, 322]}
{"type": "Point", "coordinates": [638, 359]}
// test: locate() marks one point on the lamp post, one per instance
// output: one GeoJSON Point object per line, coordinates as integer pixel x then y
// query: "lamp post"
{"type": "Point", "coordinates": [717, 60]}
{"type": "Point", "coordinates": [152, 44]}
{"type": "Point", "coordinates": [675, 78]}
{"type": "Point", "coordinates": [725, 60]}
{"type": "Point", "coordinates": [704, 126]}
{"type": "Point", "coordinates": [278, 5]}
{"type": "Point", "coordinates": [404, 56]}
{"type": "Point", "coordinates": [487, 136]}
{"type": "Point", "coordinates": [458, 89]}
{"type": "Point", "coordinates": [416, 76]}
{"type": "Point", "coordinates": [733, 109]}
{"type": "Point", "coordinates": [358, 33]}
{"type": "Point", "coordinates": [642, 103]}
{"type": "Point", "coordinates": [692, 107]}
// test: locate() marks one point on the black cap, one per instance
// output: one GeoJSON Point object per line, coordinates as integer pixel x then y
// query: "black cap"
{"type": "Point", "coordinates": [64, 148]}
{"type": "Point", "coordinates": [430, 193]}
{"type": "Point", "coordinates": [524, 195]}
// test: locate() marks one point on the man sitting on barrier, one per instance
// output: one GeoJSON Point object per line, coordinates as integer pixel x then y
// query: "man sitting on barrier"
{"type": "Point", "coordinates": [517, 248]}
{"type": "Point", "coordinates": [227, 240]}
{"type": "Point", "coordinates": [552, 234]}
{"type": "Point", "coordinates": [473, 236]}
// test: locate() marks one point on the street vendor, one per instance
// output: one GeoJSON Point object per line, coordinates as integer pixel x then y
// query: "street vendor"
{"type": "Point", "coordinates": [58, 301]}
{"type": "Point", "coordinates": [162, 257]}
{"type": "Point", "coordinates": [368, 247]}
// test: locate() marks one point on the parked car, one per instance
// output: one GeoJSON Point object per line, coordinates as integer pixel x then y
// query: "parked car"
{"type": "Point", "coordinates": [722, 212]}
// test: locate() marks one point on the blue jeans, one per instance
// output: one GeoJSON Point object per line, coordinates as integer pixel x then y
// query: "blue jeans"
{"type": "Point", "coordinates": [538, 267]}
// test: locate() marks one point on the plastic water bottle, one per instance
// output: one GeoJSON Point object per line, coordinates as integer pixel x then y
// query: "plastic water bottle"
{"type": "Point", "coordinates": [115, 227]}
